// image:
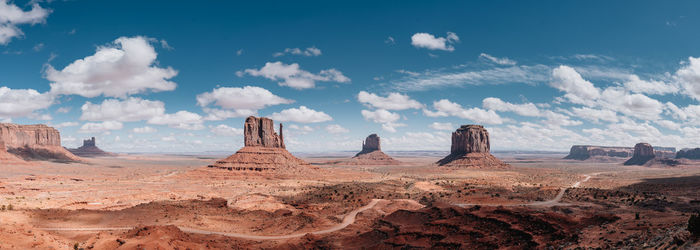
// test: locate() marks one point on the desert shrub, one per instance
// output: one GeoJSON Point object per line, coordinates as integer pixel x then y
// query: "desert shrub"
{"type": "Point", "coordinates": [694, 224]}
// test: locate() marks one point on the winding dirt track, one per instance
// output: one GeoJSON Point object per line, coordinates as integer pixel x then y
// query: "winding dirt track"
{"type": "Point", "coordinates": [347, 220]}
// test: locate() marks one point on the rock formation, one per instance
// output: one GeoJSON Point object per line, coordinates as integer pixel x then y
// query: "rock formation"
{"type": "Point", "coordinates": [471, 148]}
{"type": "Point", "coordinates": [690, 153]}
{"type": "Point", "coordinates": [585, 152]}
{"type": "Point", "coordinates": [6, 157]}
{"type": "Point", "coordinates": [372, 154]}
{"type": "Point", "coordinates": [264, 150]}
{"type": "Point", "coordinates": [89, 149]}
{"type": "Point", "coordinates": [643, 153]}
{"type": "Point", "coordinates": [34, 142]}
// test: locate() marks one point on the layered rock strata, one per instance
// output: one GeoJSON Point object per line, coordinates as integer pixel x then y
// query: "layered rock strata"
{"type": "Point", "coordinates": [264, 150]}
{"type": "Point", "coordinates": [34, 142]}
{"type": "Point", "coordinates": [89, 149]}
{"type": "Point", "coordinates": [372, 154]}
{"type": "Point", "coordinates": [643, 153]}
{"type": "Point", "coordinates": [471, 148]}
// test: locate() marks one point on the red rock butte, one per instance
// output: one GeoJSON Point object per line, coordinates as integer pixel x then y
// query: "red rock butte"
{"type": "Point", "coordinates": [643, 153]}
{"type": "Point", "coordinates": [372, 154]}
{"type": "Point", "coordinates": [263, 149]}
{"type": "Point", "coordinates": [34, 142]}
{"type": "Point", "coordinates": [471, 149]}
{"type": "Point", "coordinates": [89, 149]}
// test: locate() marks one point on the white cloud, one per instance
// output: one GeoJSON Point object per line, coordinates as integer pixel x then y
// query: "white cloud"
{"type": "Point", "coordinates": [496, 60]}
{"type": "Point", "coordinates": [144, 130]}
{"type": "Point", "coordinates": [390, 40]}
{"type": "Point", "coordinates": [432, 79]}
{"type": "Point", "coordinates": [129, 110]}
{"type": "Point", "coordinates": [337, 129]}
{"type": "Point", "coordinates": [636, 85]}
{"type": "Point", "coordinates": [394, 101]}
{"type": "Point", "coordinates": [577, 89]}
{"type": "Point", "coordinates": [311, 51]}
{"type": "Point", "coordinates": [22, 102]}
{"type": "Point", "coordinates": [225, 130]}
{"type": "Point", "coordinates": [102, 127]}
{"type": "Point", "coordinates": [429, 41]}
{"type": "Point", "coordinates": [65, 124]}
{"type": "Point", "coordinates": [595, 115]}
{"type": "Point", "coordinates": [525, 109]}
{"type": "Point", "coordinates": [63, 110]}
{"type": "Point", "coordinates": [170, 138]}
{"type": "Point", "coordinates": [291, 75]}
{"type": "Point", "coordinates": [442, 126]}
{"type": "Point", "coordinates": [668, 124]}
{"type": "Point", "coordinates": [302, 129]}
{"type": "Point", "coordinates": [181, 119]}
{"type": "Point", "coordinates": [635, 105]}
{"type": "Point", "coordinates": [689, 77]}
{"type": "Point", "coordinates": [557, 119]}
{"type": "Point", "coordinates": [11, 16]}
{"type": "Point", "coordinates": [380, 116]}
{"type": "Point", "coordinates": [445, 108]}
{"type": "Point", "coordinates": [391, 127]}
{"type": "Point", "coordinates": [238, 102]}
{"type": "Point", "coordinates": [301, 115]}
{"type": "Point", "coordinates": [123, 68]}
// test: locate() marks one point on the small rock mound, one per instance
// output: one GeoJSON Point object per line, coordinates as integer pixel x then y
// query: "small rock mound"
{"type": "Point", "coordinates": [264, 150]}
{"type": "Point", "coordinates": [643, 153]}
{"type": "Point", "coordinates": [89, 149]}
{"type": "Point", "coordinates": [471, 149]}
{"type": "Point", "coordinates": [372, 154]}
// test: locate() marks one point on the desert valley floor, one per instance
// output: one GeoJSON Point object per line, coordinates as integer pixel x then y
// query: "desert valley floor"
{"type": "Point", "coordinates": [167, 201]}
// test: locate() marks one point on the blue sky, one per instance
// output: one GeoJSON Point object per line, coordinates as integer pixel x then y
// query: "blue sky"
{"type": "Point", "coordinates": [164, 76]}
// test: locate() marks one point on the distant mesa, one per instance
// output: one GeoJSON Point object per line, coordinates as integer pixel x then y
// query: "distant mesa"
{"type": "Point", "coordinates": [34, 142]}
{"type": "Point", "coordinates": [264, 150]}
{"type": "Point", "coordinates": [471, 149]}
{"type": "Point", "coordinates": [646, 155]}
{"type": "Point", "coordinates": [689, 153]}
{"type": "Point", "coordinates": [89, 149]}
{"type": "Point", "coordinates": [372, 154]}
{"type": "Point", "coordinates": [585, 152]}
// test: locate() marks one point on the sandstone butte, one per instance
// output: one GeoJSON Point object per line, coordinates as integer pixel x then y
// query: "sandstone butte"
{"type": "Point", "coordinates": [643, 153]}
{"type": "Point", "coordinates": [89, 149]}
{"type": "Point", "coordinates": [372, 154]}
{"type": "Point", "coordinates": [471, 149]}
{"type": "Point", "coordinates": [34, 142]}
{"type": "Point", "coordinates": [263, 149]}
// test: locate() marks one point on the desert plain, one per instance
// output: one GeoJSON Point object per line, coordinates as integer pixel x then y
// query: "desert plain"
{"type": "Point", "coordinates": [140, 201]}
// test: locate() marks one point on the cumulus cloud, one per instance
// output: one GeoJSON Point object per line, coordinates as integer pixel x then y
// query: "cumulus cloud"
{"type": "Point", "coordinates": [22, 102]}
{"type": "Point", "coordinates": [311, 51]}
{"type": "Point", "coordinates": [431, 42]}
{"type": "Point", "coordinates": [496, 60]}
{"type": "Point", "coordinates": [635, 105]}
{"type": "Point", "coordinates": [301, 129]}
{"type": "Point", "coordinates": [337, 129]}
{"type": "Point", "coordinates": [441, 126]}
{"type": "Point", "coordinates": [394, 101]}
{"type": "Point", "coordinates": [144, 130]}
{"type": "Point", "coordinates": [435, 79]}
{"type": "Point", "coordinates": [181, 119]}
{"type": "Point", "coordinates": [301, 115]}
{"type": "Point", "coordinates": [12, 16]}
{"type": "Point", "coordinates": [637, 85]}
{"type": "Point", "coordinates": [689, 77]}
{"type": "Point", "coordinates": [595, 115]}
{"type": "Point", "coordinates": [102, 127]}
{"type": "Point", "coordinates": [225, 130]}
{"type": "Point", "coordinates": [291, 75]}
{"type": "Point", "coordinates": [125, 67]}
{"type": "Point", "coordinates": [525, 109]}
{"type": "Point", "coordinates": [65, 124]}
{"type": "Point", "coordinates": [444, 108]}
{"type": "Point", "coordinates": [577, 89]}
{"type": "Point", "coordinates": [238, 102]}
{"type": "Point", "coordinates": [129, 110]}
{"type": "Point", "coordinates": [386, 118]}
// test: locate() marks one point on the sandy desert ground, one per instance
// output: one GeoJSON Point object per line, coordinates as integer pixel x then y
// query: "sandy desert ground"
{"type": "Point", "coordinates": [168, 201]}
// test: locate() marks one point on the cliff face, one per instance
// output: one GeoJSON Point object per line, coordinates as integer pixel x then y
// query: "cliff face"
{"type": "Point", "coordinates": [260, 132]}
{"type": "Point", "coordinates": [34, 142]}
{"type": "Point", "coordinates": [643, 152]}
{"type": "Point", "coordinates": [370, 144]}
{"type": "Point", "coordinates": [692, 153]}
{"type": "Point", "coordinates": [471, 149]}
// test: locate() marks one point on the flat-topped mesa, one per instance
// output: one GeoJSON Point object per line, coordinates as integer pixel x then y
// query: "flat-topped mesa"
{"type": "Point", "coordinates": [372, 154]}
{"type": "Point", "coordinates": [471, 149]}
{"type": "Point", "coordinates": [35, 142]}
{"type": "Point", "coordinates": [690, 153]}
{"type": "Point", "coordinates": [89, 149]}
{"type": "Point", "coordinates": [643, 153]}
{"type": "Point", "coordinates": [263, 150]}
{"type": "Point", "coordinates": [584, 152]}
{"type": "Point", "coordinates": [260, 132]}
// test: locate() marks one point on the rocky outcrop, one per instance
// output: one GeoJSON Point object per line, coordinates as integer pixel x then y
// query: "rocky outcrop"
{"type": "Point", "coordinates": [690, 153]}
{"type": "Point", "coordinates": [372, 154]}
{"type": "Point", "coordinates": [264, 150]}
{"type": "Point", "coordinates": [585, 152]}
{"type": "Point", "coordinates": [34, 142]}
{"type": "Point", "coordinates": [89, 149]}
{"type": "Point", "coordinates": [643, 153]}
{"type": "Point", "coordinates": [471, 149]}
{"type": "Point", "coordinates": [6, 157]}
